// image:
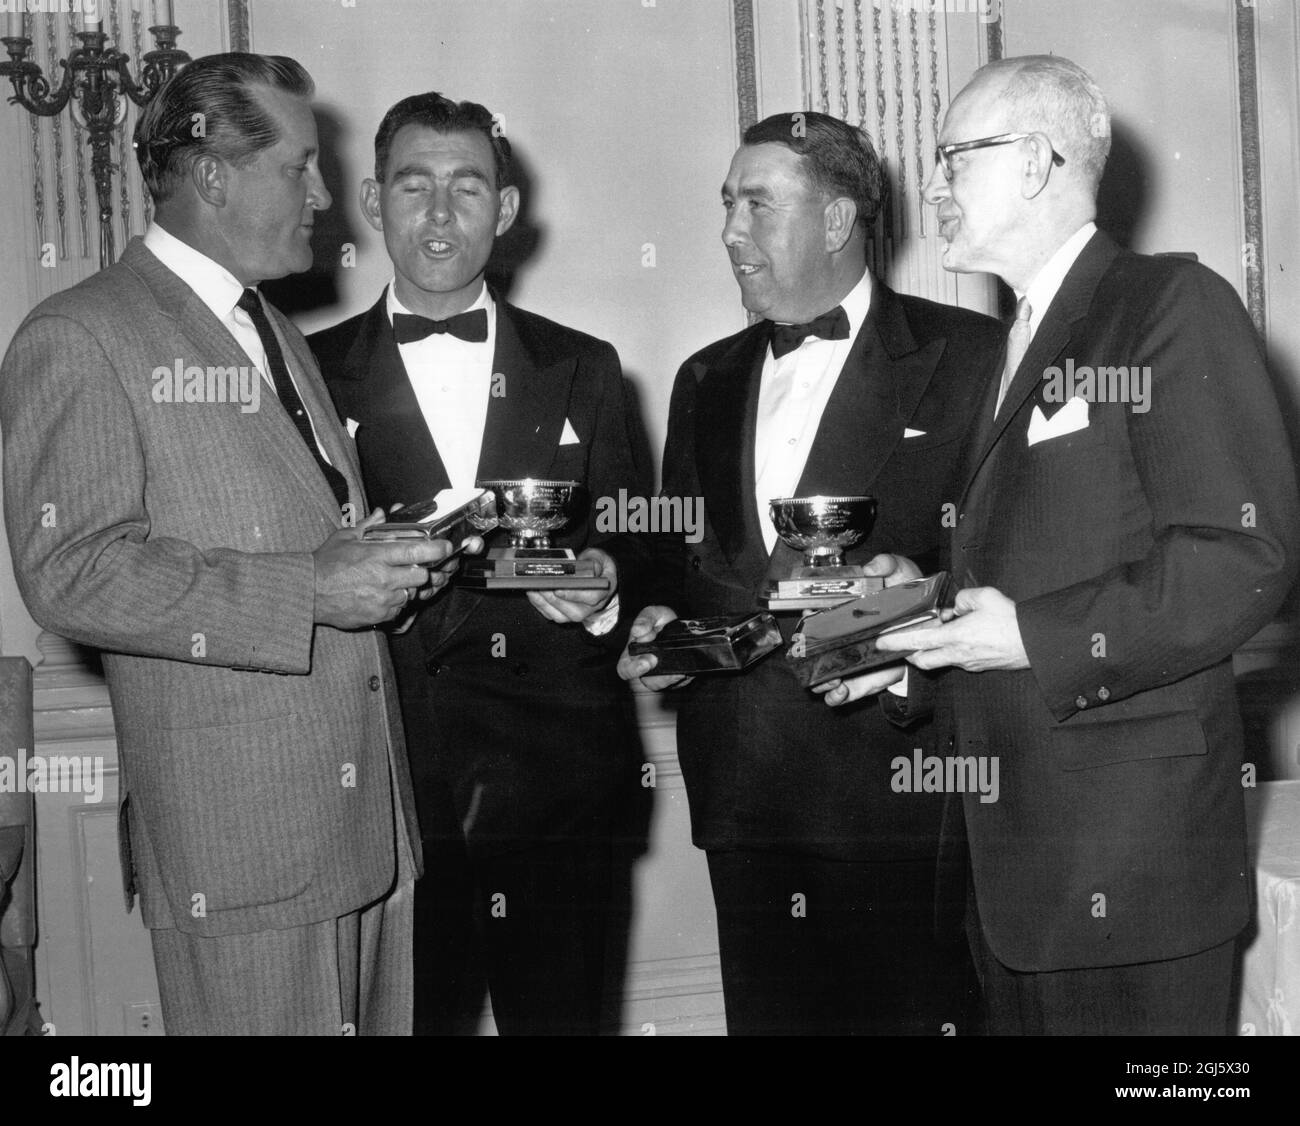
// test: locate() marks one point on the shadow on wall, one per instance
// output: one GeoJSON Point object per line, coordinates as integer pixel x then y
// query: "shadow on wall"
{"type": "Point", "coordinates": [1125, 189]}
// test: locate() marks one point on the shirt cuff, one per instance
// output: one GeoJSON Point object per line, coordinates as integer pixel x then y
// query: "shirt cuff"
{"type": "Point", "coordinates": [600, 624]}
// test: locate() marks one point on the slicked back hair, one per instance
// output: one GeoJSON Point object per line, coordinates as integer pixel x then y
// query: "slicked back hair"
{"type": "Point", "coordinates": [211, 108]}
{"type": "Point", "coordinates": [838, 158]}
{"type": "Point", "coordinates": [442, 115]}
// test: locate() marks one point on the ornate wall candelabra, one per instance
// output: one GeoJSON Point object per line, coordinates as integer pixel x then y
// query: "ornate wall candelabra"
{"type": "Point", "coordinates": [96, 76]}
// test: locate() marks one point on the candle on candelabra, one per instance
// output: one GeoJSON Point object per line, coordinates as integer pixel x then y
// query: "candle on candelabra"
{"type": "Point", "coordinates": [14, 24]}
{"type": "Point", "coordinates": [162, 12]}
{"type": "Point", "coordinates": [93, 19]}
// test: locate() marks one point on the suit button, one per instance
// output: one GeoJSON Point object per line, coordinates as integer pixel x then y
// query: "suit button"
{"type": "Point", "coordinates": [432, 667]}
{"type": "Point", "coordinates": [520, 669]}
{"type": "Point", "coordinates": [374, 684]}
{"type": "Point", "coordinates": [1103, 694]}
{"type": "Point", "coordinates": [1081, 702]}
{"type": "Point", "coordinates": [695, 562]}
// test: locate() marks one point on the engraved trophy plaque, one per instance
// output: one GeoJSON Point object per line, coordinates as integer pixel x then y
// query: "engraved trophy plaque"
{"type": "Point", "coordinates": [530, 510]}
{"type": "Point", "coordinates": [821, 527]}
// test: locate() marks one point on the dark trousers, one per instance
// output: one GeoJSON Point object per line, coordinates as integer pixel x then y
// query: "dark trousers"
{"type": "Point", "coordinates": [530, 924]}
{"type": "Point", "coordinates": [826, 947]}
{"type": "Point", "coordinates": [1188, 996]}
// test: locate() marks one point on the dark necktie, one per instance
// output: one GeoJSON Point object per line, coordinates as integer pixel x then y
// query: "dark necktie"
{"type": "Point", "coordinates": [471, 326]}
{"type": "Point", "coordinates": [279, 372]}
{"type": "Point", "coordinates": [829, 326]}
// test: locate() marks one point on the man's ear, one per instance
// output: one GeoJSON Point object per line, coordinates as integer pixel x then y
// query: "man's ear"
{"type": "Point", "coordinates": [1037, 165]}
{"type": "Point", "coordinates": [208, 175]}
{"type": "Point", "coordinates": [370, 190]}
{"type": "Point", "coordinates": [841, 215]}
{"type": "Point", "coordinates": [509, 209]}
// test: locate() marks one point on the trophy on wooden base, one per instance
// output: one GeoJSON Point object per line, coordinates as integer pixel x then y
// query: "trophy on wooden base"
{"type": "Point", "coordinates": [530, 510]}
{"type": "Point", "coordinates": [821, 527]}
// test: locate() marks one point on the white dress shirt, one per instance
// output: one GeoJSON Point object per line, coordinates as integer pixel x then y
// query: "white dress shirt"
{"type": "Point", "coordinates": [1047, 282]}
{"type": "Point", "coordinates": [220, 291]}
{"type": "Point", "coordinates": [791, 399]}
{"type": "Point", "coordinates": [452, 380]}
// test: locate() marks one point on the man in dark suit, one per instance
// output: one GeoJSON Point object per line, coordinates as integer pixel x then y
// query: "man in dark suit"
{"type": "Point", "coordinates": [1117, 538]}
{"type": "Point", "coordinates": [203, 535]}
{"type": "Point", "coordinates": [823, 876]}
{"type": "Point", "coordinates": [523, 745]}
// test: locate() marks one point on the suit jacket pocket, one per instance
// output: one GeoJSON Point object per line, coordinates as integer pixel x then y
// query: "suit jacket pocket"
{"type": "Point", "coordinates": [241, 810]}
{"type": "Point", "coordinates": [931, 439]}
{"type": "Point", "coordinates": [1085, 746]}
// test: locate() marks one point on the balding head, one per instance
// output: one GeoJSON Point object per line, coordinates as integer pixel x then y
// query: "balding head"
{"type": "Point", "coordinates": [1052, 95]}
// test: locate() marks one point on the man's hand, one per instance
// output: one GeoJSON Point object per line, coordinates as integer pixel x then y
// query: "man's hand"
{"type": "Point", "coordinates": [578, 605]}
{"type": "Point", "coordinates": [646, 627]}
{"type": "Point", "coordinates": [839, 692]}
{"type": "Point", "coordinates": [980, 634]}
{"type": "Point", "coordinates": [836, 693]}
{"type": "Point", "coordinates": [362, 584]}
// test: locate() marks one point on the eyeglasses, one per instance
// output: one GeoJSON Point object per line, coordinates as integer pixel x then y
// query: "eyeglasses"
{"type": "Point", "coordinates": [944, 153]}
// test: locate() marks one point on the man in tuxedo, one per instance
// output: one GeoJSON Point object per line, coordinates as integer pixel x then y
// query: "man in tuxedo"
{"type": "Point", "coordinates": [1117, 538]}
{"type": "Point", "coordinates": [179, 494]}
{"type": "Point", "coordinates": [524, 748]}
{"type": "Point", "coordinates": [823, 876]}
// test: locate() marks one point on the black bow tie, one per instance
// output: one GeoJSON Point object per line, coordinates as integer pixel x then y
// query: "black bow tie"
{"type": "Point", "coordinates": [829, 326]}
{"type": "Point", "coordinates": [471, 326]}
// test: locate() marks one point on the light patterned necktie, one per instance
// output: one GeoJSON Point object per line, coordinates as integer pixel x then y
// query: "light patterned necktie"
{"type": "Point", "coordinates": [1017, 346]}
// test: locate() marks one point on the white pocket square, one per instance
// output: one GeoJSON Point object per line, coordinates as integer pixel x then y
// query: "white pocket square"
{"type": "Point", "coordinates": [908, 432]}
{"type": "Point", "coordinates": [1071, 417]}
{"type": "Point", "coordinates": [353, 426]}
{"type": "Point", "coordinates": [568, 437]}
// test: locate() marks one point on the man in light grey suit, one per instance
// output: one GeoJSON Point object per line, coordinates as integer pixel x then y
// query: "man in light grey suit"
{"type": "Point", "coordinates": [179, 493]}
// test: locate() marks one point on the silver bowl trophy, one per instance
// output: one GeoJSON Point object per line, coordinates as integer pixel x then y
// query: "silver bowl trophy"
{"type": "Point", "coordinates": [821, 527]}
{"type": "Point", "coordinates": [530, 510]}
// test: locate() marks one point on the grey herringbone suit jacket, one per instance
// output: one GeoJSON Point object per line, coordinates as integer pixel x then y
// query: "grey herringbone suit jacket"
{"type": "Point", "coordinates": [263, 767]}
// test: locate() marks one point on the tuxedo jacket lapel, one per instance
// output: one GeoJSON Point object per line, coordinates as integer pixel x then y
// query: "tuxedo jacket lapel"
{"type": "Point", "coordinates": [724, 446]}
{"type": "Point", "coordinates": [883, 379]}
{"type": "Point", "coordinates": [525, 415]}
{"type": "Point", "coordinates": [392, 432]}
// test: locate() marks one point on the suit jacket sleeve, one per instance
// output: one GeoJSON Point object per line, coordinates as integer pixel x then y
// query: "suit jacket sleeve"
{"type": "Point", "coordinates": [1216, 471]}
{"type": "Point", "coordinates": [668, 549]}
{"type": "Point", "coordinates": [617, 462]}
{"type": "Point", "coordinates": [87, 561]}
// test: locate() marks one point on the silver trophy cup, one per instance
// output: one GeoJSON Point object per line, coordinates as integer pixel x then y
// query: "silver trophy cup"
{"type": "Point", "coordinates": [822, 528]}
{"type": "Point", "coordinates": [530, 510]}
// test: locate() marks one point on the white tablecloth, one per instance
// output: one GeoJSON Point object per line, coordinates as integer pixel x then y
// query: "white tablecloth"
{"type": "Point", "coordinates": [1270, 986]}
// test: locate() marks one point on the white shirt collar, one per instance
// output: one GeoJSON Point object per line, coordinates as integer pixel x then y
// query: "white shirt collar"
{"type": "Point", "coordinates": [483, 301]}
{"type": "Point", "coordinates": [855, 304]}
{"type": "Point", "coordinates": [1043, 289]}
{"type": "Point", "coordinates": [215, 286]}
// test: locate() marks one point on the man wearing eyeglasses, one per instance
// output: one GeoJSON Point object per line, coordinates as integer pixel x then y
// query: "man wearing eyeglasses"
{"type": "Point", "coordinates": [1126, 520]}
